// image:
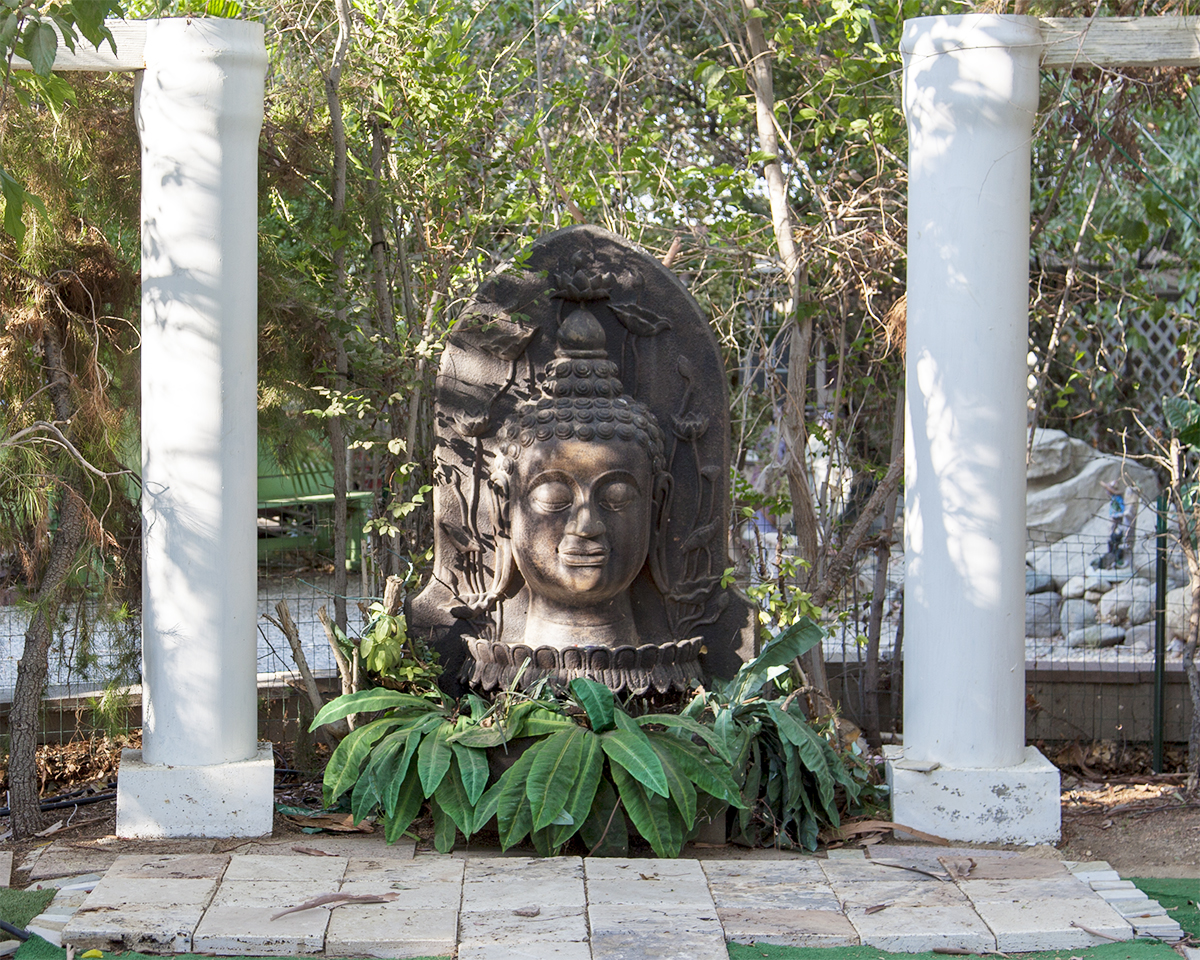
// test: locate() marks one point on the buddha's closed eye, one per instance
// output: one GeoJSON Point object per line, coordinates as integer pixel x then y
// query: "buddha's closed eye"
{"type": "Point", "coordinates": [551, 496]}
{"type": "Point", "coordinates": [617, 495]}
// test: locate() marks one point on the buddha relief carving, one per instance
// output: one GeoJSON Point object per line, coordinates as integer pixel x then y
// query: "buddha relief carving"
{"type": "Point", "coordinates": [581, 502]}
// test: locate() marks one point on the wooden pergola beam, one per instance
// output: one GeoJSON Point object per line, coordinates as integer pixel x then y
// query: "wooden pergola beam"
{"type": "Point", "coordinates": [1114, 42]}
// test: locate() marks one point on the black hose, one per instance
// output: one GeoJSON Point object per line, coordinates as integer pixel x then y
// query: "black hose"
{"type": "Point", "coordinates": [15, 931]}
{"type": "Point", "coordinates": [63, 804]}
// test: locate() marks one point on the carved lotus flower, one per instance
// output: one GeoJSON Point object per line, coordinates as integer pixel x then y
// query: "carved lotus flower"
{"type": "Point", "coordinates": [690, 427]}
{"type": "Point", "coordinates": [582, 287]}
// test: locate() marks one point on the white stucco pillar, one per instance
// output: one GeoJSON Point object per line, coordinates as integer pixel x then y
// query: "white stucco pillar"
{"type": "Point", "coordinates": [201, 771]}
{"type": "Point", "coordinates": [970, 97]}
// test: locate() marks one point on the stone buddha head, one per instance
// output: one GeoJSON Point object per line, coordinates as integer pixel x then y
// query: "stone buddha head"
{"type": "Point", "coordinates": [578, 488]}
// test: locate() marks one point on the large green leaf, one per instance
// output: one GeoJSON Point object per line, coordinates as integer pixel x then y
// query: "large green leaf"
{"type": "Point", "coordinates": [688, 725]}
{"type": "Point", "coordinates": [552, 775]}
{"type": "Point", "coordinates": [532, 711]}
{"type": "Point", "coordinates": [433, 757]}
{"type": "Point", "coordinates": [444, 833]}
{"type": "Point", "coordinates": [634, 754]}
{"type": "Point", "coordinates": [604, 830]}
{"type": "Point", "coordinates": [369, 701]}
{"type": "Point", "coordinates": [809, 745]}
{"type": "Point", "coordinates": [407, 806]}
{"type": "Point", "coordinates": [473, 766]}
{"type": "Point", "coordinates": [363, 798]}
{"type": "Point", "coordinates": [381, 768]}
{"type": "Point", "coordinates": [480, 737]}
{"type": "Point", "coordinates": [653, 816]}
{"type": "Point", "coordinates": [487, 806]}
{"type": "Point", "coordinates": [679, 785]}
{"type": "Point", "coordinates": [596, 700]}
{"type": "Point", "coordinates": [346, 762]}
{"type": "Point", "coordinates": [513, 817]}
{"type": "Point", "coordinates": [452, 796]}
{"type": "Point", "coordinates": [793, 642]}
{"type": "Point", "coordinates": [583, 791]}
{"type": "Point", "coordinates": [707, 772]}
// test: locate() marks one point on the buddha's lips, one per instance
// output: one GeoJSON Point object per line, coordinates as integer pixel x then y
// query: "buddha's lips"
{"type": "Point", "coordinates": [585, 554]}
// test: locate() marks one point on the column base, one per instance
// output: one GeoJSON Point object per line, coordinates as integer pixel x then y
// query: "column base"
{"type": "Point", "coordinates": [1018, 804]}
{"type": "Point", "coordinates": [217, 800]}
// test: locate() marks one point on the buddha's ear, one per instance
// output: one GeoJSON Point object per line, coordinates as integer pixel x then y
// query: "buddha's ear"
{"type": "Point", "coordinates": [659, 512]}
{"type": "Point", "coordinates": [500, 502]}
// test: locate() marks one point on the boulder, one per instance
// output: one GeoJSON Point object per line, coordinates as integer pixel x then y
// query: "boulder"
{"type": "Point", "coordinates": [1097, 635]}
{"type": "Point", "coordinates": [1038, 582]}
{"type": "Point", "coordinates": [1141, 611]}
{"type": "Point", "coordinates": [1042, 614]}
{"type": "Point", "coordinates": [1064, 508]}
{"type": "Point", "coordinates": [1050, 456]}
{"type": "Point", "coordinates": [1140, 639]}
{"type": "Point", "coordinates": [1116, 603]}
{"type": "Point", "coordinates": [1075, 614]}
{"type": "Point", "coordinates": [1179, 608]}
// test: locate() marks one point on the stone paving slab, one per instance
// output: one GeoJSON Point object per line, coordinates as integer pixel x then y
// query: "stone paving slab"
{"type": "Point", "coordinates": [245, 930]}
{"type": "Point", "coordinates": [680, 883]}
{"type": "Point", "coordinates": [432, 883]}
{"type": "Point", "coordinates": [787, 884]}
{"type": "Point", "coordinates": [532, 951]}
{"type": "Point", "coordinates": [6, 866]}
{"type": "Point", "coordinates": [913, 929]}
{"type": "Point", "coordinates": [66, 858]}
{"type": "Point", "coordinates": [390, 930]}
{"type": "Point", "coordinates": [1016, 868]}
{"type": "Point", "coordinates": [511, 884]}
{"type": "Point", "coordinates": [643, 945]}
{"type": "Point", "coordinates": [549, 925]}
{"type": "Point", "coordinates": [127, 910]}
{"type": "Point", "coordinates": [326, 870]}
{"type": "Point", "coordinates": [1065, 887]}
{"type": "Point", "coordinates": [1048, 924]}
{"type": "Point", "coordinates": [792, 928]}
{"type": "Point", "coordinates": [195, 866]}
{"type": "Point", "coordinates": [850, 871]}
{"type": "Point", "coordinates": [370, 845]}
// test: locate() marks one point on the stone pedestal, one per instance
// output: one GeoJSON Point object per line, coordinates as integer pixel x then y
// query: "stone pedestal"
{"type": "Point", "coordinates": [199, 108]}
{"type": "Point", "coordinates": [207, 800]}
{"type": "Point", "coordinates": [1016, 804]}
{"type": "Point", "coordinates": [970, 96]}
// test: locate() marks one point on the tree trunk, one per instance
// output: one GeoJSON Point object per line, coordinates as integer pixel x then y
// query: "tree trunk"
{"type": "Point", "coordinates": [800, 333]}
{"type": "Point", "coordinates": [883, 556]}
{"type": "Point", "coordinates": [337, 435]}
{"type": "Point", "coordinates": [25, 717]}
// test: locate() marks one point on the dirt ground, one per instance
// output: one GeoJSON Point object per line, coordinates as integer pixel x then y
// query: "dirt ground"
{"type": "Point", "coordinates": [1144, 825]}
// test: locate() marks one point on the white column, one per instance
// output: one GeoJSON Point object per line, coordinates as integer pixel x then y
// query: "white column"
{"type": "Point", "coordinates": [970, 96]}
{"type": "Point", "coordinates": [201, 771]}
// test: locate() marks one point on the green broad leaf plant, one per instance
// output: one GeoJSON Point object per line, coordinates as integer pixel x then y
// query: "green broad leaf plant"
{"type": "Point", "coordinates": [584, 765]}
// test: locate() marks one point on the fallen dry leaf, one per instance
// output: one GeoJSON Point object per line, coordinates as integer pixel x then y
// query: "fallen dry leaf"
{"type": "Point", "coordinates": [332, 900]}
{"type": "Point", "coordinates": [336, 822]}
{"type": "Point", "coordinates": [874, 826]}
{"type": "Point", "coordinates": [647, 876]}
{"type": "Point", "coordinates": [527, 911]}
{"type": "Point", "coordinates": [876, 908]}
{"type": "Point", "coordinates": [959, 868]}
{"type": "Point", "coordinates": [313, 852]}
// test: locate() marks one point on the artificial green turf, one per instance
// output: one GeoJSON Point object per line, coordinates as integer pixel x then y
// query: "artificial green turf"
{"type": "Point", "coordinates": [1179, 897]}
{"type": "Point", "coordinates": [1132, 950]}
{"type": "Point", "coordinates": [18, 907]}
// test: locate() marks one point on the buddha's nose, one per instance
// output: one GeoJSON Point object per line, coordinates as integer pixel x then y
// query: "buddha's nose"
{"type": "Point", "coordinates": [585, 522]}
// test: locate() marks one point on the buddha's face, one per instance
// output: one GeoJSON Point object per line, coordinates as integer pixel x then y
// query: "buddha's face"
{"type": "Point", "coordinates": [581, 513]}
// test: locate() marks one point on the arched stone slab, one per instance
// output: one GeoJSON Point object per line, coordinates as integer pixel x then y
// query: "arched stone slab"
{"type": "Point", "coordinates": [668, 359]}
